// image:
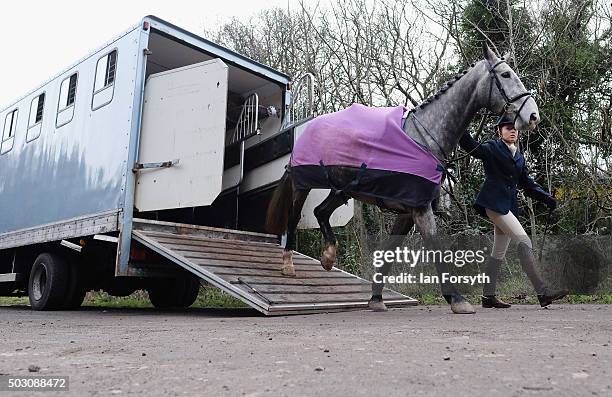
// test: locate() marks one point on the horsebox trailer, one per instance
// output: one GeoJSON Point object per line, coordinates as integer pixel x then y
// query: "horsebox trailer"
{"type": "Point", "coordinates": [148, 164]}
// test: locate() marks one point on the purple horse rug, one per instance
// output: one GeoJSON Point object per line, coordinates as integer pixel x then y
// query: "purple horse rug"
{"type": "Point", "coordinates": [389, 164]}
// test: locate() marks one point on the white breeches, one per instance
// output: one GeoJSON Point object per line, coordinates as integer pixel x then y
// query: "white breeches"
{"type": "Point", "coordinates": [507, 228]}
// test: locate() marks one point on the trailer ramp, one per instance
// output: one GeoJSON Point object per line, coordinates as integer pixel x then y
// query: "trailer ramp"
{"type": "Point", "coordinates": [247, 266]}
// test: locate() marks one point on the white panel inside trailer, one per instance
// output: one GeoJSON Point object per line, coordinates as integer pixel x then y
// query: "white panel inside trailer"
{"type": "Point", "coordinates": [183, 118]}
{"type": "Point", "coordinates": [340, 217]}
{"type": "Point", "coordinates": [273, 171]}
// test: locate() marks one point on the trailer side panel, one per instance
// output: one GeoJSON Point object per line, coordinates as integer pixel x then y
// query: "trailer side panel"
{"type": "Point", "coordinates": [72, 164]}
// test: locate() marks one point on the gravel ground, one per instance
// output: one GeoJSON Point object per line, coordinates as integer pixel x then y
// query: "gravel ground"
{"type": "Point", "coordinates": [562, 351]}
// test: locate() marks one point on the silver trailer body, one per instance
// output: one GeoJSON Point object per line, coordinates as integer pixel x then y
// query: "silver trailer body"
{"type": "Point", "coordinates": [70, 174]}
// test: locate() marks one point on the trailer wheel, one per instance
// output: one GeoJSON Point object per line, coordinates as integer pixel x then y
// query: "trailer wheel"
{"type": "Point", "coordinates": [192, 289]}
{"type": "Point", "coordinates": [76, 290]}
{"type": "Point", "coordinates": [178, 292]}
{"type": "Point", "coordinates": [76, 301]}
{"type": "Point", "coordinates": [48, 284]}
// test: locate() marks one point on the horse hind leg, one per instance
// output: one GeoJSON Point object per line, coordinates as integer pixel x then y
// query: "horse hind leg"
{"type": "Point", "coordinates": [426, 223]}
{"type": "Point", "coordinates": [323, 212]}
{"type": "Point", "coordinates": [295, 213]}
{"type": "Point", "coordinates": [402, 225]}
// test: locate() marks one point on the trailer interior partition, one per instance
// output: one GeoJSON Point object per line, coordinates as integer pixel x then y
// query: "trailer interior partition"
{"type": "Point", "coordinates": [247, 90]}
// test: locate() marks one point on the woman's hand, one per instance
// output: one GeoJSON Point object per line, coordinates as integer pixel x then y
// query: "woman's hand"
{"type": "Point", "coordinates": [551, 203]}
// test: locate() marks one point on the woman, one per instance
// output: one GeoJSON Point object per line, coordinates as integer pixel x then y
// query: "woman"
{"type": "Point", "coordinates": [505, 168]}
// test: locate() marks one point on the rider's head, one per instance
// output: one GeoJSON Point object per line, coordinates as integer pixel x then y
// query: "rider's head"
{"type": "Point", "coordinates": [505, 128]}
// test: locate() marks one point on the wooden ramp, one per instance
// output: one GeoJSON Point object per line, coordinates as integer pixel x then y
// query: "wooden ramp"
{"type": "Point", "coordinates": [247, 266]}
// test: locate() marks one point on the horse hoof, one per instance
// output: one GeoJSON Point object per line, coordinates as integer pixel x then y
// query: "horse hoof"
{"type": "Point", "coordinates": [326, 263]}
{"type": "Point", "coordinates": [377, 305]}
{"type": "Point", "coordinates": [461, 306]}
{"type": "Point", "coordinates": [288, 271]}
{"type": "Point", "coordinates": [328, 257]}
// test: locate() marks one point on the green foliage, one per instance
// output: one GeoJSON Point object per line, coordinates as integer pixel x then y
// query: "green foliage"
{"type": "Point", "coordinates": [209, 297]}
{"type": "Point", "coordinates": [491, 18]}
{"type": "Point", "coordinates": [562, 53]}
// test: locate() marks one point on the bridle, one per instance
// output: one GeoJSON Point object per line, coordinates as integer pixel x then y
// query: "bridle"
{"type": "Point", "coordinates": [508, 100]}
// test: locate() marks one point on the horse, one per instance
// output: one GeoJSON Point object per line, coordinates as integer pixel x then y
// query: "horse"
{"type": "Point", "coordinates": [436, 125]}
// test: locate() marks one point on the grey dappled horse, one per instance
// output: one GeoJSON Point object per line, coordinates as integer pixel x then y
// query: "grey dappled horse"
{"type": "Point", "coordinates": [437, 123]}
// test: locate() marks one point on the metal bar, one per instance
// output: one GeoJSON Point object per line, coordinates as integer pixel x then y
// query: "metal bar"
{"type": "Point", "coordinates": [103, 237]}
{"type": "Point", "coordinates": [300, 108]}
{"type": "Point", "coordinates": [248, 122]}
{"type": "Point", "coordinates": [338, 305]}
{"type": "Point", "coordinates": [164, 164]}
{"type": "Point", "coordinates": [10, 277]}
{"type": "Point", "coordinates": [70, 245]}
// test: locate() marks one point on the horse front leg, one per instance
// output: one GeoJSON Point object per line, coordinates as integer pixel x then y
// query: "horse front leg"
{"type": "Point", "coordinates": [426, 223]}
{"type": "Point", "coordinates": [295, 213]}
{"type": "Point", "coordinates": [323, 212]}
{"type": "Point", "coordinates": [402, 225]}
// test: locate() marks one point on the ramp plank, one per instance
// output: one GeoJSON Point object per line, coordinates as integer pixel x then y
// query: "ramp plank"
{"type": "Point", "coordinates": [250, 270]}
{"type": "Point", "coordinates": [321, 298]}
{"type": "Point", "coordinates": [262, 280]}
{"type": "Point", "coordinates": [271, 273]}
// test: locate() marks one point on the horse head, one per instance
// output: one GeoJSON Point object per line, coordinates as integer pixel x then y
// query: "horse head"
{"type": "Point", "coordinates": [505, 93]}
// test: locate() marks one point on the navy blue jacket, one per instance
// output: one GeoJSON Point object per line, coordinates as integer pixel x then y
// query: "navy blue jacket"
{"type": "Point", "coordinates": [503, 173]}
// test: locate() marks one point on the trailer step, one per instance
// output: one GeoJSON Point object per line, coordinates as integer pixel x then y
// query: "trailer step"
{"type": "Point", "coordinates": [247, 266]}
{"type": "Point", "coordinates": [10, 277]}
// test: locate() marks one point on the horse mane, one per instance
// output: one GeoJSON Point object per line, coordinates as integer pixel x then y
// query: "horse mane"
{"type": "Point", "coordinates": [445, 86]}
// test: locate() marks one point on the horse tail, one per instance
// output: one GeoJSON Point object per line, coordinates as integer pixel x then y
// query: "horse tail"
{"type": "Point", "coordinates": [280, 205]}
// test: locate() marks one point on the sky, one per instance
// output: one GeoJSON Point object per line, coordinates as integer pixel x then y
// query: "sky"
{"type": "Point", "coordinates": [38, 39]}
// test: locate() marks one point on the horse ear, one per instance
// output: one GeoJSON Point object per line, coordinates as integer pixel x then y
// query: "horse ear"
{"type": "Point", "coordinates": [487, 53]}
{"type": "Point", "coordinates": [509, 58]}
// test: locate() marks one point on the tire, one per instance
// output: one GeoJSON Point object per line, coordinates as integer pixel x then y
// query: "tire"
{"type": "Point", "coordinates": [76, 300]}
{"type": "Point", "coordinates": [192, 289]}
{"type": "Point", "coordinates": [76, 290]}
{"type": "Point", "coordinates": [174, 293]}
{"type": "Point", "coordinates": [49, 282]}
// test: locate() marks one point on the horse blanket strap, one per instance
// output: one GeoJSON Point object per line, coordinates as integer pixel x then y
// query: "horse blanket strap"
{"type": "Point", "coordinates": [349, 187]}
{"type": "Point", "coordinates": [445, 160]}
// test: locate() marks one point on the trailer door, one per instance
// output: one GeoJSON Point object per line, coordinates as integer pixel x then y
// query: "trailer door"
{"type": "Point", "coordinates": [182, 137]}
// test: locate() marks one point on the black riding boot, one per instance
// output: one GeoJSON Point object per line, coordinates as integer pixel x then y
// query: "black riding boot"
{"type": "Point", "coordinates": [546, 296]}
{"type": "Point", "coordinates": [493, 301]}
{"type": "Point", "coordinates": [488, 298]}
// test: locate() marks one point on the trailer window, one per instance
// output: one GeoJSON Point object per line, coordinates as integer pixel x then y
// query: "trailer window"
{"type": "Point", "coordinates": [65, 106]}
{"type": "Point", "coordinates": [8, 133]}
{"type": "Point", "coordinates": [105, 71]}
{"type": "Point", "coordinates": [36, 115]}
{"type": "Point", "coordinates": [68, 92]}
{"type": "Point", "coordinates": [105, 80]}
{"type": "Point", "coordinates": [36, 110]}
